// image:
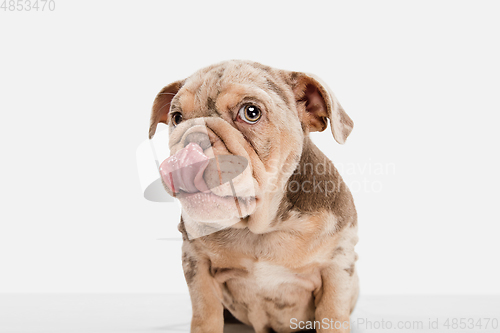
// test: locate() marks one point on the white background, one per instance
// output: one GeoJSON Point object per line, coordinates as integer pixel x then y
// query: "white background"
{"type": "Point", "coordinates": [420, 80]}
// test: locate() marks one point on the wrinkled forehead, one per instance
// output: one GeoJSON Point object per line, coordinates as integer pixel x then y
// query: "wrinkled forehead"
{"type": "Point", "coordinates": [227, 82]}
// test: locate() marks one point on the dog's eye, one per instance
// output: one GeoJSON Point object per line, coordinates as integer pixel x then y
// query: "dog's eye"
{"type": "Point", "coordinates": [176, 118]}
{"type": "Point", "coordinates": [250, 113]}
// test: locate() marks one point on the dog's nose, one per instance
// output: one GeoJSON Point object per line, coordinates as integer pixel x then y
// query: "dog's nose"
{"type": "Point", "coordinates": [201, 139]}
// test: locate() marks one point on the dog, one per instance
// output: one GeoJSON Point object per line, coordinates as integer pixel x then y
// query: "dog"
{"type": "Point", "coordinates": [284, 259]}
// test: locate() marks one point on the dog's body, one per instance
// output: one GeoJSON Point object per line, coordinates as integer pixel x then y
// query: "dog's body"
{"type": "Point", "coordinates": [287, 255]}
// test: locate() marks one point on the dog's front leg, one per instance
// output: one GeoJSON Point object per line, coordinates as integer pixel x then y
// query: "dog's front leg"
{"type": "Point", "coordinates": [207, 308]}
{"type": "Point", "coordinates": [336, 298]}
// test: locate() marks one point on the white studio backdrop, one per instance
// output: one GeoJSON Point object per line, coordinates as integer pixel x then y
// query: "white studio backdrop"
{"type": "Point", "coordinates": [420, 79]}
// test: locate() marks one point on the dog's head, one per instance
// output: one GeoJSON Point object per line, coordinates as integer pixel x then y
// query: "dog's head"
{"type": "Point", "coordinates": [237, 130]}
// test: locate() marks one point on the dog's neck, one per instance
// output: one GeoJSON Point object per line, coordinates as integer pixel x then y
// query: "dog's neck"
{"type": "Point", "coordinates": [312, 187]}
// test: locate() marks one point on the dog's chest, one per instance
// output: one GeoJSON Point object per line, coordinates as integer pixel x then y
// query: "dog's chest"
{"type": "Point", "coordinates": [267, 273]}
{"type": "Point", "coordinates": [269, 284]}
{"type": "Point", "coordinates": [267, 294]}
{"type": "Point", "coordinates": [268, 262]}
{"type": "Point", "coordinates": [269, 276]}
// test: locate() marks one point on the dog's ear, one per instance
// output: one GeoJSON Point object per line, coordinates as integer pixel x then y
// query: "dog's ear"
{"type": "Point", "coordinates": [161, 105]}
{"type": "Point", "coordinates": [316, 103]}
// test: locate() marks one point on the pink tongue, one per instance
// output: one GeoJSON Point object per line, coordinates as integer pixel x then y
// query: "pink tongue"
{"type": "Point", "coordinates": [184, 170]}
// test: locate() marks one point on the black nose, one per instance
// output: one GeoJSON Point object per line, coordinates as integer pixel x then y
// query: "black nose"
{"type": "Point", "coordinates": [197, 137]}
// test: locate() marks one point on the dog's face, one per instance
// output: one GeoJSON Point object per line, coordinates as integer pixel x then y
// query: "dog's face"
{"type": "Point", "coordinates": [243, 122]}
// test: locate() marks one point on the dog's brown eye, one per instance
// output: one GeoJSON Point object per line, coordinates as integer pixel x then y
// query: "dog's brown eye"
{"type": "Point", "coordinates": [176, 118]}
{"type": "Point", "coordinates": [250, 113]}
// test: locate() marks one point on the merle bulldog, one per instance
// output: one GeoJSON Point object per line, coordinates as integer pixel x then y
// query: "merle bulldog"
{"type": "Point", "coordinates": [269, 226]}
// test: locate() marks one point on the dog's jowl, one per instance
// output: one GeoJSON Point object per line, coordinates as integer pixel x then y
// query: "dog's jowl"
{"type": "Point", "coordinates": [269, 226]}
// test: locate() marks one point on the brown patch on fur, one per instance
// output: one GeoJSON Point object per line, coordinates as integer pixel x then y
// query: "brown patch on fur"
{"type": "Point", "coordinates": [309, 200]}
{"type": "Point", "coordinates": [265, 151]}
{"type": "Point", "coordinates": [337, 251]}
{"type": "Point", "coordinates": [211, 106]}
{"type": "Point", "coordinates": [262, 67]}
{"type": "Point", "coordinates": [280, 92]}
{"type": "Point", "coordinates": [190, 269]}
{"type": "Point", "coordinates": [344, 208]}
{"type": "Point", "coordinates": [175, 105]}
{"type": "Point", "coordinates": [278, 304]}
{"type": "Point", "coordinates": [350, 270]}
{"type": "Point", "coordinates": [220, 72]}
{"type": "Point", "coordinates": [285, 211]}
{"type": "Point", "coordinates": [294, 76]}
{"type": "Point", "coordinates": [282, 305]}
